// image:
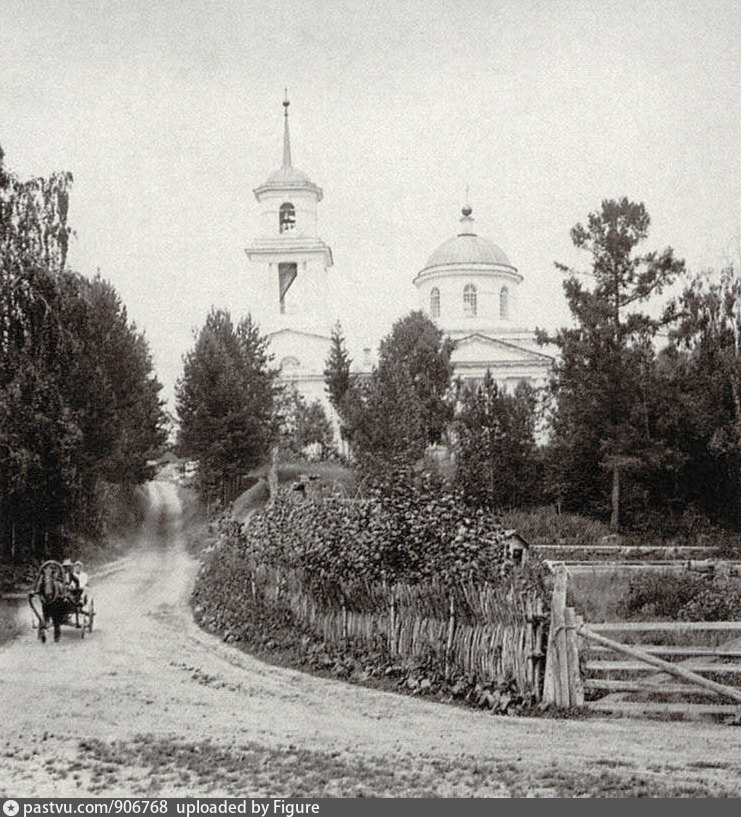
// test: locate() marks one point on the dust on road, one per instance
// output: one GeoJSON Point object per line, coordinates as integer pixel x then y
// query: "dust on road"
{"type": "Point", "coordinates": [150, 705]}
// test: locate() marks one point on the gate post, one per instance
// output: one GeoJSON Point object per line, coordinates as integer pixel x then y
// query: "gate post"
{"type": "Point", "coordinates": [556, 682]}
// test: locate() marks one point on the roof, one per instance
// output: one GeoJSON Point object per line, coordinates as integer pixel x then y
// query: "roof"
{"type": "Point", "coordinates": [467, 248]}
{"type": "Point", "coordinates": [288, 179]}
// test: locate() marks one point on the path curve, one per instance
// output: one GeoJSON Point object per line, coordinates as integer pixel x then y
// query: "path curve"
{"type": "Point", "coordinates": [125, 710]}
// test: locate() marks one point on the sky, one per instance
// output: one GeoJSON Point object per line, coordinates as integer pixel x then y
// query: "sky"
{"type": "Point", "coordinates": [169, 114]}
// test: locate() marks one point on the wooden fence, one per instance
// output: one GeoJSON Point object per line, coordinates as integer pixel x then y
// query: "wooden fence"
{"type": "Point", "coordinates": [491, 633]}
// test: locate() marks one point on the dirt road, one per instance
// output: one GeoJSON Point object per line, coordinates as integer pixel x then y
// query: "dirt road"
{"type": "Point", "coordinates": [150, 705]}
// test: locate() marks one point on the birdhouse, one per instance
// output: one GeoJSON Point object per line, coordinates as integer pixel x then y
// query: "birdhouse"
{"type": "Point", "coordinates": [516, 547]}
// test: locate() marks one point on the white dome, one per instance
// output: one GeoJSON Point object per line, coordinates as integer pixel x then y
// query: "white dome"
{"type": "Point", "coordinates": [467, 248]}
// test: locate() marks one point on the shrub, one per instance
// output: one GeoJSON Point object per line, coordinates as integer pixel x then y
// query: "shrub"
{"type": "Point", "coordinates": [660, 594]}
{"type": "Point", "coordinates": [719, 601]}
{"type": "Point", "coordinates": [416, 532]}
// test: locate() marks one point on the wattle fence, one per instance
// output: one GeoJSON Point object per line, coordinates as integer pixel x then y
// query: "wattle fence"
{"type": "Point", "coordinates": [492, 633]}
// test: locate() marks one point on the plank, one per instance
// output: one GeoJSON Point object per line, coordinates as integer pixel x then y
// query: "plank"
{"type": "Point", "coordinates": [639, 666]}
{"type": "Point", "coordinates": [673, 649]}
{"type": "Point", "coordinates": [576, 685]}
{"type": "Point", "coordinates": [616, 685]}
{"type": "Point", "coordinates": [673, 669]}
{"type": "Point", "coordinates": [630, 548]}
{"type": "Point", "coordinates": [580, 566]}
{"type": "Point", "coordinates": [651, 707]}
{"type": "Point", "coordinates": [660, 626]}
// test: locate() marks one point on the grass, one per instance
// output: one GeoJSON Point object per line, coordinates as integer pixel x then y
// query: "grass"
{"type": "Point", "coordinates": [331, 475]}
{"type": "Point", "coordinates": [250, 769]}
{"type": "Point", "coordinates": [544, 526]}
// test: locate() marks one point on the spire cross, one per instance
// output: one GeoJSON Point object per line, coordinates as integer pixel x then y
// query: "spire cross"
{"type": "Point", "coordinates": [286, 136]}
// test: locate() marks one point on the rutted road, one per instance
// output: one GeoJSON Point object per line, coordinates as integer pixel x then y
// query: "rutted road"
{"type": "Point", "coordinates": [150, 705]}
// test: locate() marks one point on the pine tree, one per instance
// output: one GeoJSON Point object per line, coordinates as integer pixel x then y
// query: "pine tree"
{"type": "Point", "coordinates": [602, 423]}
{"type": "Point", "coordinates": [337, 370]}
{"type": "Point", "coordinates": [225, 400]}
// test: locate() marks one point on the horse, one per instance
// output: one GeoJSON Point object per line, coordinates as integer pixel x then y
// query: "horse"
{"type": "Point", "coordinates": [56, 605]}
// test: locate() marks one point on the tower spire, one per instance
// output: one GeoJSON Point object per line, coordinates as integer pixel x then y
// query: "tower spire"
{"type": "Point", "coordinates": [286, 136]}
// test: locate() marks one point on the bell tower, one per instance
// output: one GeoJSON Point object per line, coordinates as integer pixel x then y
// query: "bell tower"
{"type": "Point", "coordinates": [288, 286]}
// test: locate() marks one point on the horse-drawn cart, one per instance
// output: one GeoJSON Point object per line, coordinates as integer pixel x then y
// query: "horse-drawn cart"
{"type": "Point", "coordinates": [54, 601]}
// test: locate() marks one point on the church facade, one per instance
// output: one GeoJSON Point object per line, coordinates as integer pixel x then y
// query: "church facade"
{"type": "Point", "coordinates": [468, 287]}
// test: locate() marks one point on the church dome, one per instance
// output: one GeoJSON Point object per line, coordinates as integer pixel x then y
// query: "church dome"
{"type": "Point", "coordinates": [467, 248]}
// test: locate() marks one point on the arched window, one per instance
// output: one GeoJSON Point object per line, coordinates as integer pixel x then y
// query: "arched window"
{"type": "Point", "coordinates": [289, 362]}
{"type": "Point", "coordinates": [286, 217]}
{"type": "Point", "coordinates": [435, 302]}
{"type": "Point", "coordinates": [469, 301]}
{"type": "Point", "coordinates": [504, 302]}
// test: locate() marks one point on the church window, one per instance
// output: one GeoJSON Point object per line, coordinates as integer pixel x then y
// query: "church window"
{"type": "Point", "coordinates": [289, 362]}
{"type": "Point", "coordinates": [286, 276]}
{"type": "Point", "coordinates": [504, 302]}
{"type": "Point", "coordinates": [286, 217]}
{"type": "Point", "coordinates": [435, 302]}
{"type": "Point", "coordinates": [469, 301]}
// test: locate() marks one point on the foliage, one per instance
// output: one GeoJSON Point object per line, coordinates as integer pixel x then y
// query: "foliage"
{"type": "Point", "coordinates": [414, 534]}
{"type": "Point", "coordinates": [78, 400]}
{"type": "Point", "coordinates": [719, 600]}
{"type": "Point", "coordinates": [337, 369]}
{"type": "Point", "coordinates": [683, 596]}
{"type": "Point", "coordinates": [699, 377]}
{"type": "Point", "coordinates": [303, 425]}
{"type": "Point", "coordinates": [604, 427]}
{"type": "Point", "coordinates": [225, 400]}
{"type": "Point", "coordinates": [544, 526]}
{"type": "Point", "coordinates": [405, 404]}
{"type": "Point", "coordinates": [494, 444]}
{"type": "Point", "coordinates": [659, 594]}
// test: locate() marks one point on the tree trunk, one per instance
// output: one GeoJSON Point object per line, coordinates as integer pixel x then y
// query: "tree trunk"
{"type": "Point", "coordinates": [273, 473]}
{"type": "Point", "coordinates": [615, 518]}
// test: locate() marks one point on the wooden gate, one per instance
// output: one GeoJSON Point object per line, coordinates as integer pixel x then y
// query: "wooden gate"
{"type": "Point", "coordinates": [683, 669]}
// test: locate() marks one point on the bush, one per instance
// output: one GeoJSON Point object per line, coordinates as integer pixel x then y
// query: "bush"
{"type": "Point", "coordinates": [414, 533]}
{"type": "Point", "coordinates": [720, 601]}
{"type": "Point", "coordinates": [660, 594]}
{"type": "Point", "coordinates": [544, 526]}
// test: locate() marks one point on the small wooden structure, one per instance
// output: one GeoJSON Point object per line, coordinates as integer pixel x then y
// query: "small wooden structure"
{"type": "Point", "coordinates": [517, 546]}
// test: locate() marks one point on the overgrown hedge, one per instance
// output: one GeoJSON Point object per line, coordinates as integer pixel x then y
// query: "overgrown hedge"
{"type": "Point", "coordinates": [413, 534]}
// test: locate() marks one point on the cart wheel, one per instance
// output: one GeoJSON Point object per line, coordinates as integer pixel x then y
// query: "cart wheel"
{"type": "Point", "coordinates": [90, 617]}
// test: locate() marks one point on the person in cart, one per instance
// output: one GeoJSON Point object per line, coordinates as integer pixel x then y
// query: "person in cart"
{"type": "Point", "coordinates": [72, 580]}
{"type": "Point", "coordinates": [82, 579]}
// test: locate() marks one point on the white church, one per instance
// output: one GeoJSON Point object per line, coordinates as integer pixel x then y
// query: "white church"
{"type": "Point", "coordinates": [468, 287]}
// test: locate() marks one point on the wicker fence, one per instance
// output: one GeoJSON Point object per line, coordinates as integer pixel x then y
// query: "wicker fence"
{"type": "Point", "coordinates": [495, 634]}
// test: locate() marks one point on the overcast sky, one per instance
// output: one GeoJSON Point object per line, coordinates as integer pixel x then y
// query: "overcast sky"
{"type": "Point", "coordinates": [168, 114]}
